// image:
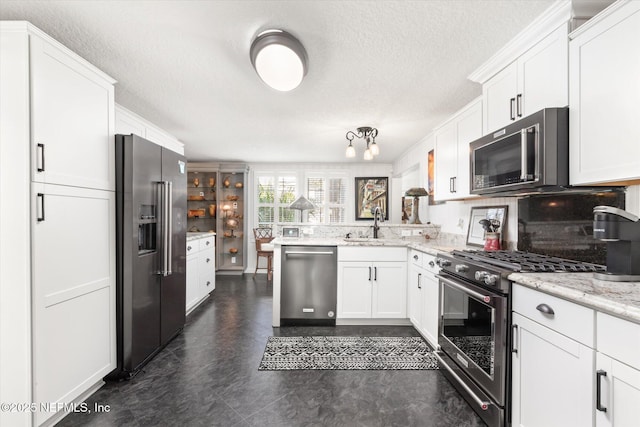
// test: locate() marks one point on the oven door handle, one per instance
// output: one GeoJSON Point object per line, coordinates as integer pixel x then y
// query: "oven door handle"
{"type": "Point", "coordinates": [484, 405]}
{"type": "Point", "coordinates": [477, 295]}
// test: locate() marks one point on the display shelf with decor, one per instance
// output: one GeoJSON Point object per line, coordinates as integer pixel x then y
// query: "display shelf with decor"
{"type": "Point", "coordinates": [201, 200]}
{"type": "Point", "coordinates": [231, 221]}
{"type": "Point", "coordinates": [216, 202]}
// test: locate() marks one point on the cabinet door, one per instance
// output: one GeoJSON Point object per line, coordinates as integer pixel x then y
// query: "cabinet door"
{"type": "Point", "coordinates": [604, 98]}
{"type": "Point", "coordinates": [469, 129]}
{"type": "Point", "coordinates": [543, 74]}
{"type": "Point", "coordinates": [552, 379]}
{"type": "Point", "coordinates": [74, 337]}
{"type": "Point", "coordinates": [619, 393]}
{"type": "Point", "coordinates": [193, 281]}
{"type": "Point", "coordinates": [72, 120]}
{"type": "Point", "coordinates": [355, 280]}
{"type": "Point", "coordinates": [499, 95]}
{"type": "Point", "coordinates": [207, 271]}
{"type": "Point", "coordinates": [446, 158]}
{"type": "Point", "coordinates": [430, 308]}
{"type": "Point", "coordinates": [389, 290]}
{"type": "Point", "coordinates": [414, 290]}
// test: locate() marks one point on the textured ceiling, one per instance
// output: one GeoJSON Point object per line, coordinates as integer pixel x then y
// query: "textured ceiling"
{"type": "Point", "coordinates": [400, 66]}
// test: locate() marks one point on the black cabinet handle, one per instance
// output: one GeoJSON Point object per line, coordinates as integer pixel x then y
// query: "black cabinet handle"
{"type": "Point", "coordinates": [375, 273]}
{"type": "Point", "coordinates": [208, 282]}
{"type": "Point", "coordinates": [208, 243]}
{"type": "Point", "coordinates": [188, 248]}
{"type": "Point", "coordinates": [40, 217]}
{"type": "Point", "coordinates": [369, 273]}
{"type": "Point", "coordinates": [519, 104]}
{"type": "Point", "coordinates": [419, 280]}
{"type": "Point", "coordinates": [432, 264]}
{"type": "Point", "coordinates": [599, 374]}
{"type": "Point", "coordinates": [451, 190]}
{"type": "Point", "coordinates": [41, 167]}
{"type": "Point", "coordinates": [208, 259]}
{"type": "Point", "coordinates": [512, 105]}
{"type": "Point", "coordinates": [455, 181]}
{"type": "Point", "coordinates": [415, 257]}
{"type": "Point", "coordinates": [544, 308]}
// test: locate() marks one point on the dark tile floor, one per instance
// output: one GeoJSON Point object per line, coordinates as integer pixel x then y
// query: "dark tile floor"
{"type": "Point", "coordinates": [208, 376]}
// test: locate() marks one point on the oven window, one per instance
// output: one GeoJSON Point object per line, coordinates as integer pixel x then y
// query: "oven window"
{"type": "Point", "coordinates": [469, 325]}
{"type": "Point", "coordinates": [500, 162]}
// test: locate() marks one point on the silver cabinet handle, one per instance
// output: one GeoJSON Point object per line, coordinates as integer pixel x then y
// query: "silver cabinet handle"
{"type": "Point", "coordinates": [432, 264]}
{"type": "Point", "coordinates": [514, 339]}
{"type": "Point", "coordinates": [544, 308]}
{"type": "Point", "coordinates": [484, 405]}
{"type": "Point", "coordinates": [599, 374]}
{"type": "Point", "coordinates": [419, 280]}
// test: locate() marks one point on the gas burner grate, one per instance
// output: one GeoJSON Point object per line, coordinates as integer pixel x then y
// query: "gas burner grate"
{"type": "Point", "coordinates": [529, 262]}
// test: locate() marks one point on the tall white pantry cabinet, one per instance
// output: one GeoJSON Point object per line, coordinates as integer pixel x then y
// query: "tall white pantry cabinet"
{"type": "Point", "coordinates": [57, 221]}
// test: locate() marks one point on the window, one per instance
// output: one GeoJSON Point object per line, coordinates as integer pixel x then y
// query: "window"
{"type": "Point", "coordinates": [274, 193]}
{"type": "Point", "coordinates": [328, 192]}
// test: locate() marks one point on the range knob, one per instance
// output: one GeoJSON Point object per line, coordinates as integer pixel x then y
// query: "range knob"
{"type": "Point", "coordinates": [491, 279]}
{"type": "Point", "coordinates": [461, 268]}
{"type": "Point", "coordinates": [443, 262]}
{"type": "Point", "coordinates": [480, 275]}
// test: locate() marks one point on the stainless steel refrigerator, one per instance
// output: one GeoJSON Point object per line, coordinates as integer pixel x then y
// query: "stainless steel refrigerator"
{"type": "Point", "coordinates": [151, 224]}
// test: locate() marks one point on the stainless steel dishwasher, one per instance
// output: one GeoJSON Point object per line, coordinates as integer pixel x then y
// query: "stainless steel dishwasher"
{"type": "Point", "coordinates": [309, 285]}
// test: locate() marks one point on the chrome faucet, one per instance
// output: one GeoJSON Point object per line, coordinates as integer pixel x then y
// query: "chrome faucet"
{"type": "Point", "coordinates": [377, 213]}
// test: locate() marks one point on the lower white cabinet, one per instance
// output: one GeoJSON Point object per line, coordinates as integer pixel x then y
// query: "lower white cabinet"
{"type": "Point", "coordinates": [369, 286]}
{"type": "Point", "coordinates": [617, 375]}
{"type": "Point", "coordinates": [552, 374]}
{"type": "Point", "coordinates": [73, 252]}
{"type": "Point", "coordinates": [423, 295]}
{"type": "Point", "coordinates": [201, 270]}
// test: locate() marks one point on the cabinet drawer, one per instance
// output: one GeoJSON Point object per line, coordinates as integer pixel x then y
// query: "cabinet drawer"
{"type": "Point", "coordinates": [570, 319]}
{"type": "Point", "coordinates": [206, 243]}
{"type": "Point", "coordinates": [193, 246]}
{"type": "Point", "coordinates": [429, 263]}
{"type": "Point", "coordinates": [346, 253]}
{"type": "Point", "coordinates": [618, 338]}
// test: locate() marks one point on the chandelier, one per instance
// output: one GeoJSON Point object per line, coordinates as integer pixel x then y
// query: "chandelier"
{"type": "Point", "coordinates": [368, 134]}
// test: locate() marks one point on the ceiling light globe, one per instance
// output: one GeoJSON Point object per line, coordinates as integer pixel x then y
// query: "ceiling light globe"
{"type": "Point", "coordinates": [368, 155]}
{"type": "Point", "coordinates": [374, 149]}
{"type": "Point", "coordinates": [279, 59]}
{"type": "Point", "coordinates": [351, 151]}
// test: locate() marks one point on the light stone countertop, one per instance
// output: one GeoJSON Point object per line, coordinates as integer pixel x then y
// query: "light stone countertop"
{"type": "Point", "coordinates": [621, 299]}
{"type": "Point", "coordinates": [433, 247]}
{"type": "Point", "coordinates": [199, 235]}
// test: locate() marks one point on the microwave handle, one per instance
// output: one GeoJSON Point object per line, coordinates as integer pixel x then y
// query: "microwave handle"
{"type": "Point", "coordinates": [525, 175]}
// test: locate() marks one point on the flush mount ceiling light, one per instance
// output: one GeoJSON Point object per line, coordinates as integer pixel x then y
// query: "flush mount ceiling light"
{"type": "Point", "coordinates": [368, 134]}
{"type": "Point", "coordinates": [279, 59]}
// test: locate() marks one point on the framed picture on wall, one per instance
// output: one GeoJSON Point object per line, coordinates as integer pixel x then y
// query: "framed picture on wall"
{"type": "Point", "coordinates": [483, 219]}
{"type": "Point", "coordinates": [371, 192]}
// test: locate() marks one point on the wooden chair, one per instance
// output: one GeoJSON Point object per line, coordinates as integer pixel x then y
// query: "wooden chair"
{"type": "Point", "coordinates": [262, 236]}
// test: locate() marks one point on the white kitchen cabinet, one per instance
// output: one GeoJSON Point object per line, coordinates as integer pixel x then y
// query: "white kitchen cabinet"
{"type": "Point", "coordinates": [201, 270]}
{"type": "Point", "coordinates": [59, 119]}
{"type": "Point", "coordinates": [604, 65]}
{"type": "Point", "coordinates": [617, 372]}
{"type": "Point", "coordinates": [72, 107]}
{"type": "Point", "coordinates": [128, 122]}
{"type": "Point", "coordinates": [73, 291]}
{"type": "Point", "coordinates": [452, 161]}
{"type": "Point", "coordinates": [537, 79]}
{"type": "Point", "coordinates": [552, 361]}
{"type": "Point", "coordinates": [371, 283]}
{"type": "Point", "coordinates": [423, 295]}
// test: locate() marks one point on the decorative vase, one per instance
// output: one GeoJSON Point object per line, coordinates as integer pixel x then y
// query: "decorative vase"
{"type": "Point", "coordinates": [239, 185]}
{"type": "Point", "coordinates": [212, 210]}
{"type": "Point", "coordinates": [196, 182]}
{"type": "Point", "coordinates": [212, 182]}
{"type": "Point", "coordinates": [226, 182]}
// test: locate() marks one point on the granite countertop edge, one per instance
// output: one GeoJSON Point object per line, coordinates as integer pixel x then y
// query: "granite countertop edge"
{"type": "Point", "coordinates": [433, 247]}
{"type": "Point", "coordinates": [191, 235]}
{"type": "Point", "coordinates": [619, 299]}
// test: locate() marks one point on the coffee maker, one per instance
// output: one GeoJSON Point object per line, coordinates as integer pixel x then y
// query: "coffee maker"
{"type": "Point", "coordinates": [621, 231]}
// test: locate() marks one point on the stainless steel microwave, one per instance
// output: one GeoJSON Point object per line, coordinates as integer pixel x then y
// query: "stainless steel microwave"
{"type": "Point", "coordinates": [530, 155]}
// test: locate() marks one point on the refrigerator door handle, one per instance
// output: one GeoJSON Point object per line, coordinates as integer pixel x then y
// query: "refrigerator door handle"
{"type": "Point", "coordinates": [169, 211]}
{"type": "Point", "coordinates": [165, 220]}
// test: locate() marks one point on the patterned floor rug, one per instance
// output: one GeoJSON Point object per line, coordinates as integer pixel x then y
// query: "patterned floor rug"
{"type": "Point", "coordinates": [358, 353]}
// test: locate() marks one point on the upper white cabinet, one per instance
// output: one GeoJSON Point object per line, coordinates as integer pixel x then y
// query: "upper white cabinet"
{"type": "Point", "coordinates": [71, 119]}
{"type": "Point", "coordinates": [604, 137]}
{"type": "Point", "coordinates": [535, 80]}
{"type": "Point", "coordinates": [128, 122]}
{"type": "Point", "coordinates": [452, 152]}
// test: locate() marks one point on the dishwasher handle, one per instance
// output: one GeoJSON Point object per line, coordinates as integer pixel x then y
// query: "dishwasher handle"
{"type": "Point", "coordinates": [308, 253]}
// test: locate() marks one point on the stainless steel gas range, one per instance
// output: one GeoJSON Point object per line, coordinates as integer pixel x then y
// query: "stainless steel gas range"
{"type": "Point", "coordinates": [475, 323]}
